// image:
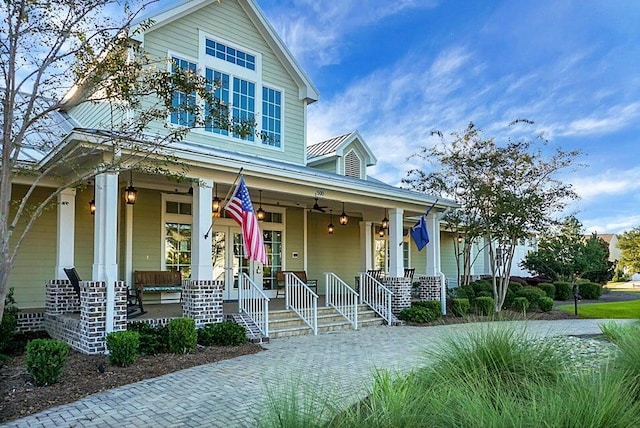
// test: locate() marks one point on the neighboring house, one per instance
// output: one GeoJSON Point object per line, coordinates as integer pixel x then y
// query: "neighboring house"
{"type": "Point", "coordinates": [166, 228]}
{"type": "Point", "coordinates": [612, 240]}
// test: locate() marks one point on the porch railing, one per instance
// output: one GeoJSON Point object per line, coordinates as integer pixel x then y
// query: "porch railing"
{"type": "Point", "coordinates": [342, 298]}
{"type": "Point", "coordinates": [376, 295]}
{"type": "Point", "coordinates": [253, 303]}
{"type": "Point", "coordinates": [302, 300]}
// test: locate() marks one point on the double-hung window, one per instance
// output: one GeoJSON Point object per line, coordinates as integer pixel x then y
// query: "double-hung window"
{"type": "Point", "coordinates": [244, 103]}
{"type": "Point", "coordinates": [218, 115]}
{"type": "Point", "coordinates": [183, 103]}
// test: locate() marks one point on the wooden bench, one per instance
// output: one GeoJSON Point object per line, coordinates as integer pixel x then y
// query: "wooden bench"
{"type": "Point", "coordinates": [160, 280]}
{"type": "Point", "coordinates": [280, 280]}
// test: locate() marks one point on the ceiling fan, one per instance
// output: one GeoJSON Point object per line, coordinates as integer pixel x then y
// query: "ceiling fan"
{"type": "Point", "coordinates": [317, 207]}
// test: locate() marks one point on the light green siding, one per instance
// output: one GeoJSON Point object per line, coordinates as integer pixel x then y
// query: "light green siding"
{"type": "Point", "coordinates": [294, 236]}
{"type": "Point", "coordinates": [447, 256]}
{"type": "Point", "coordinates": [147, 231]}
{"type": "Point", "coordinates": [228, 21]}
{"type": "Point", "coordinates": [330, 166]}
{"type": "Point", "coordinates": [36, 259]}
{"type": "Point", "coordinates": [338, 253]}
{"type": "Point", "coordinates": [418, 259]}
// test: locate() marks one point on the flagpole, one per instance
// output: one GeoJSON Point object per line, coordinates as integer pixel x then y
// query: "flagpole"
{"type": "Point", "coordinates": [226, 199]}
{"type": "Point", "coordinates": [431, 207]}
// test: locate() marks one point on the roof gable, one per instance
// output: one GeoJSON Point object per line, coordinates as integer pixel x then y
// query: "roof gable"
{"type": "Point", "coordinates": [306, 88]}
{"type": "Point", "coordinates": [335, 147]}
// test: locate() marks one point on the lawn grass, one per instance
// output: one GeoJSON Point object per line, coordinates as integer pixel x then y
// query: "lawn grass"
{"type": "Point", "coordinates": [621, 310]}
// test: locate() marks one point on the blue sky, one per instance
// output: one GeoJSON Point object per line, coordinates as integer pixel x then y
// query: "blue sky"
{"type": "Point", "coordinates": [396, 70]}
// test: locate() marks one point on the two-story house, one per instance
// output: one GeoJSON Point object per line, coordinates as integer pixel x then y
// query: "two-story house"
{"type": "Point", "coordinates": [301, 188]}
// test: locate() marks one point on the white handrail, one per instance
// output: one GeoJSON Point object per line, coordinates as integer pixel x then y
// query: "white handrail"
{"type": "Point", "coordinates": [376, 295]}
{"type": "Point", "coordinates": [302, 300]}
{"type": "Point", "coordinates": [342, 298]}
{"type": "Point", "coordinates": [254, 303]}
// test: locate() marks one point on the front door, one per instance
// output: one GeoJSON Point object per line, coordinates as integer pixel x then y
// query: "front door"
{"type": "Point", "coordinates": [229, 261]}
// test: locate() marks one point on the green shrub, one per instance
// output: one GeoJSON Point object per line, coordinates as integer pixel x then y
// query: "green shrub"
{"type": "Point", "coordinates": [123, 346]}
{"type": "Point", "coordinates": [545, 304]}
{"type": "Point", "coordinates": [484, 305]}
{"type": "Point", "coordinates": [46, 359]}
{"type": "Point", "coordinates": [430, 305]}
{"type": "Point", "coordinates": [482, 288]}
{"type": "Point", "coordinates": [226, 333]}
{"type": "Point", "coordinates": [564, 290]}
{"type": "Point", "coordinates": [521, 304]}
{"type": "Point", "coordinates": [465, 292]}
{"type": "Point", "coordinates": [590, 290]}
{"type": "Point", "coordinates": [460, 307]}
{"type": "Point", "coordinates": [533, 295]}
{"type": "Point", "coordinates": [183, 337]}
{"type": "Point", "coordinates": [9, 324]}
{"type": "Point", "coordinates": [153, 340]}
{"type": "Point", "coordinates": [548, 288]}
{"type": "Point", "coordinates": [418, 314]}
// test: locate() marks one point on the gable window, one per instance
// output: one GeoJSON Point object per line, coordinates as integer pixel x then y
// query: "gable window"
{"type": "Point", "coordinates": [229, 54]}
{"type": "Point", "coordinates": [219, 81]}
{"type": "Point", "coordinates": [271, 116]}
{"type": "Point", "coordinates": [352, 165]}
{"type": "Point", "coordinates": [183, 103]}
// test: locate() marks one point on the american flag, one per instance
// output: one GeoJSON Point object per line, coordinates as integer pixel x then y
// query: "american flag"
{"type": "Point", "coordinates": [240, 209]}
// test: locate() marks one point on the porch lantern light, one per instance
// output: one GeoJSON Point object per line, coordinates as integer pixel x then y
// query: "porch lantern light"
{"type": "Point", "coordinates": [381, 232]}
{"type": "Point", "coordinates": [459, 239]}
{"type": "Point", "coordinates": [130, 193]}
{"type": "Point", "coordinates": [344, 218]}
{"type": "Point", "coordinates": [92, 206]}
{"type": "Point", "coordinates": [385, 220]}
{"type": "Point", "coordinates": [260, 214]}
{"type": "Point", "coordinates": [216, 203]}
{"type": "Point", "coordinates": [330, 227]}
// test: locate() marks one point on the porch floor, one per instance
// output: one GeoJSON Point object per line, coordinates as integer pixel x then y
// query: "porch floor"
{"type": "Point", "coordinates": [174, 310]}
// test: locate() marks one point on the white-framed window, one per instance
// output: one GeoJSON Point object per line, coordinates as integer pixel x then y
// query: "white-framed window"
{"type": "Point", "coordinates": [183, 102]}
{"type": "Point", "coordinates": [176, 233]}
{"type": "Point", "coordinates": [272, 116]}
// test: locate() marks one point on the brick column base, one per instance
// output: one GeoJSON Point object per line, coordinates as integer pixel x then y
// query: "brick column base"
{"type": "Point", "coordinates": [202, 301]}
{"type": "Point", "coordinates": [401, 288]}
{"type": "Point", "coordinates": [84, 331]}
{"type": "Point", "coordinates": [430, 288]}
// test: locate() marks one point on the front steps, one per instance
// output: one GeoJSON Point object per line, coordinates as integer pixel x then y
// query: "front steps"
{"type": "Point", "coordinates": [286, 323]}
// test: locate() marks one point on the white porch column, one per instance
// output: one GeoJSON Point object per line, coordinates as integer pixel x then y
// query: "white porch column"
{"type": "Point", "coordinates": [366, 246]}
{"type": "Point", "coordinates": [65, 242]}
{"type": "Point", "coordinates": [434, 267]}
{"type": "Point", "coordinates": [201, 268]}
{"type": "Point", "coordinates": [128, 258]}
{"type": "Point", "coordinates": [396, 265]}
{"type": "Point", "coordinates": [433, 247]}
{"type": "Point", "coordinates": [105, 241]}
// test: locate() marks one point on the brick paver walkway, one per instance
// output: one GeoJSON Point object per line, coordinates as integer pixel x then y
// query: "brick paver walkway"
{"type": "Point", "coordinates": [231, 393]}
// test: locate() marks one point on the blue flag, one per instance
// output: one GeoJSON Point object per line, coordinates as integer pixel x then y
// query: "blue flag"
{"type": "Point", "coordinates": [419, 233]}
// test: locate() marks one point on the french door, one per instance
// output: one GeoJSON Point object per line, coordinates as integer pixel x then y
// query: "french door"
{"type": "Point", "coordinates": [229, 262]}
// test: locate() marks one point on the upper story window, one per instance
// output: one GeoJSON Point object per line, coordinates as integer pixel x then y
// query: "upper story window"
{"type": "Point", "coordinates": [272, 116]}
{"type": "Point", "coordinates": [219, 81]}
{"type": "Point", "coordinates": [244, 102]}
{"type": "Point", "coordinates": [229, 54]}
{"type": "Point", "coordinates": [183, 103]}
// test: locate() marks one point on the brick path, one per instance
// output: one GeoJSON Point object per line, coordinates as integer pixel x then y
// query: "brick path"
{"type": "Point", "coordinates": [231, 393]}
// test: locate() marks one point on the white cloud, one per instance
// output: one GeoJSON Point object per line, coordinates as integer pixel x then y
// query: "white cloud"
{"type": "Point", "coordinates": [610, 182]}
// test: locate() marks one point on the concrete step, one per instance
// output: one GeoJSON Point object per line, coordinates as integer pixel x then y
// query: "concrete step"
{"type": "Point", "coordinates": [287, 323]}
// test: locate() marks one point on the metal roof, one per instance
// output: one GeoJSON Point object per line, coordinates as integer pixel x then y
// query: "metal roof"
{"type": "Point", "coordinates": [326, 147]}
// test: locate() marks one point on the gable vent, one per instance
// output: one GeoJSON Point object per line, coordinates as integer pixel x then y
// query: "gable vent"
{"type": "Point", "coordinates": [352, 165]}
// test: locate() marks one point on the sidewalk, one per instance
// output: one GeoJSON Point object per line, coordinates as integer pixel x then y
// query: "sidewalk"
{"type": "Point", "coordinates": [230, 393]}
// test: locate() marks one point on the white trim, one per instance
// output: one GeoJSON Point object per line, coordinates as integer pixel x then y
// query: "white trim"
{"type": "Point", "coordinates": [201, 267]}
{"type": "Point", "coordinates": [396, 251]}
{"type": "Point", "coordinates": [65, 239]}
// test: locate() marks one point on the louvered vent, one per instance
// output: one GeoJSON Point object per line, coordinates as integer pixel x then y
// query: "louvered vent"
{"type": "Point", "coordinates": [352, 165]}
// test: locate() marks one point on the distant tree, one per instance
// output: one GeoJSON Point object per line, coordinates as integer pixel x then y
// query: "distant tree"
{"type": "Point", "coordinates": [559, 253]}
{"type": "Point", "coordinates": [629, 244]}
{"type": "Point", "coordinates": [59, 54]}
{"type": "Point", "coordinates": [595, 253]}
{"type": "Point", "coordinates": [507, 191]}
{"type": "Point", "coordinates": [565, 255]}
